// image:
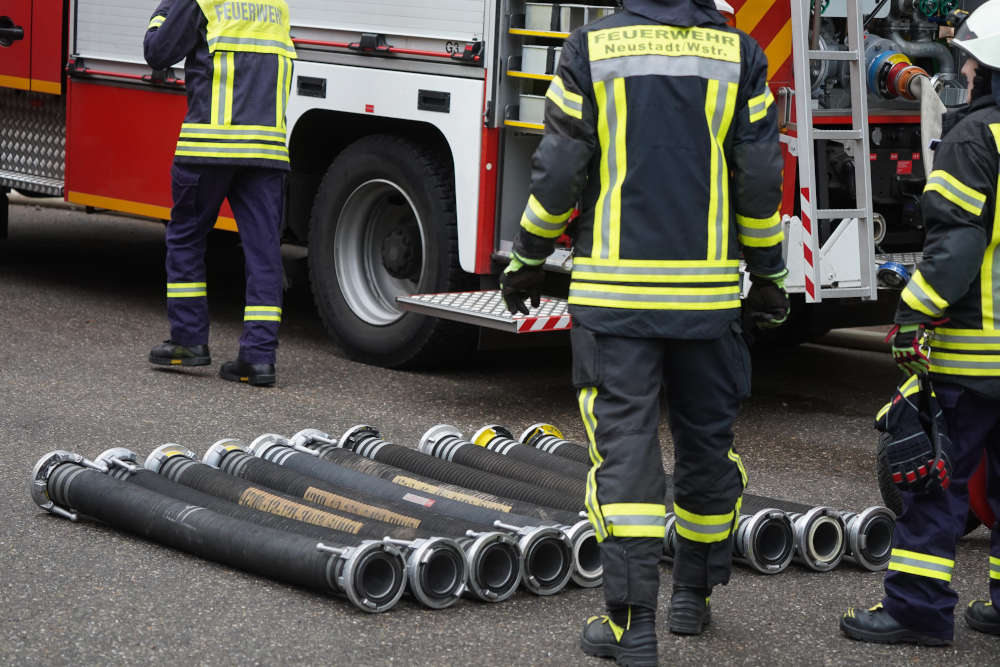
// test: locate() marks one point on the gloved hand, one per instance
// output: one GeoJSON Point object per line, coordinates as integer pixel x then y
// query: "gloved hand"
{"type": "Point", "coordinates": [522, 279]}
{"type": "Point", "coordinates": [908, 348]}
{"type": "Point", "coordinates": [767, 302]}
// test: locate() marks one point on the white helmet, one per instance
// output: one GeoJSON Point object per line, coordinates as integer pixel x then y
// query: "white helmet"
{"type": "Point", "coordinates": [979, 35]}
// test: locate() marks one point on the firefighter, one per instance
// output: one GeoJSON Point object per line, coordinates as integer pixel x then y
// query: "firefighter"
{"type": "Point", "coordinates": [954, 301]}
{"type": "Point", "coordinates": [232, 145]}
{"type": "Point", "coordinates": [662, 132]}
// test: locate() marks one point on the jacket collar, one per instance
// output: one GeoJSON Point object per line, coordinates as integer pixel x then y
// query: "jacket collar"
{"type": "Point", "coordinates": [677, 12]}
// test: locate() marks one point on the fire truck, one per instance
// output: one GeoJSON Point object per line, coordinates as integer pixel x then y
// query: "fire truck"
{"type": "Point", "coordinates": [411, 126]}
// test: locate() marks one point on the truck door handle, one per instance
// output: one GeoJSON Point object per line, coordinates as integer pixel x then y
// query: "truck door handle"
{"type": "Point", "coordinates": [9, 33]}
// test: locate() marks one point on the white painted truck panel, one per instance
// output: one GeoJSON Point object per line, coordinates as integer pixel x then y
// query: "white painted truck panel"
{"type": "Point", "coordinates": [393, 94]}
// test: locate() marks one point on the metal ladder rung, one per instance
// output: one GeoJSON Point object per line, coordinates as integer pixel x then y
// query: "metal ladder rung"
{"type": "Point", "coordinates": [840, 213]}
{"type": "Point", "coordinates": [837, 135]}
{"type": "Point", "coordinates": [834, 55]}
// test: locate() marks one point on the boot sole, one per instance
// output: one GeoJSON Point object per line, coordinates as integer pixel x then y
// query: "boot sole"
{"type": "Point", "coordinates": [621, 657]}
{"type": "Point", "coordinates": [186, 361]}
{"type": "Point", "coordinates": [682, 628]}
{"type": "Point", "coordinates": [252, 380]}
{"type": "Point", "coordinates": [897, 637]}
{"type": "Point", "coordinates": [984, 627]}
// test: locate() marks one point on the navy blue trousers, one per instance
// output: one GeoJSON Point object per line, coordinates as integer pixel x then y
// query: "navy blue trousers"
{"type": "Point", "coordinates": [917, 590]}
{"type": "Point", "coordinates": [256, 196]}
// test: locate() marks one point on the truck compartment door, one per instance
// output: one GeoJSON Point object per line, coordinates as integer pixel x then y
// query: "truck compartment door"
{"type": "Point", "coordinates": [15, 44]}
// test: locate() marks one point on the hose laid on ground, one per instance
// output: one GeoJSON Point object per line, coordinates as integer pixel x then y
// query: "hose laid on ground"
{"type": "Point", "coordinates": [446, 442]}
{"type": "Point", "coordinates": [493, 557]}
{"type": "Point", "coordinates": [549, 439]}
{"type": "Point", "coordinates": [365, 440]}
{"type": "Point", "coordinates": [376, 575]}
{"type": "Point", "coordinates": [62, 485]}
{"type": "Point", "coordinates": [436, 566]}
{"type": "Point", "coordinates": [498, 439]}
{"type": "Point", "coordinates": [764, 541]}
{"type": "Point", "coordinates": [552, 553]}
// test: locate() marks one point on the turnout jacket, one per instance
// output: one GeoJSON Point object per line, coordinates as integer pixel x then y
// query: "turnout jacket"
{"type": "Point", "coordinates": [238, 72]}
{"type": "Point", "coordinates": [958, 279]}
{"type": "Point", "coordinates": [661, 131]}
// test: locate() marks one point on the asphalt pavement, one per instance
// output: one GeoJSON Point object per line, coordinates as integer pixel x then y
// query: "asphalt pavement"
{"type": "Point", "coordinates": [82, 301]}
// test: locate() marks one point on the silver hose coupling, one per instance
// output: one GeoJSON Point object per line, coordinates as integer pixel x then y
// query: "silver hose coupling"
{"type": "Point", "coordinates": [588, 571]}
{"type": "Point", "coordinates": [765, 541]}
{"type": "Point", "coordinates": [869, 537]}
{"type": "Point", "coordinates": [819, 538]}
{"type": "Point", "coordinates": [119, 459]}
{"type": "Point", "coordinates": [362, 439]}
{"type": "Point", "coordinates": [159, 456]}
{"type": "Point", "coordinates": [547, 555]}
{"type": "Point", "coordinates": [40, 481]}
{"type": "Point", "coordinates": [220, 449]}
{"type": "Point", "coordinates": [442, 441]}
{"type": "Point", "coordinates": [436, 570]}
{"type": "Point", "coordinates": [495, 567]}
{"type": "Point", "coordinates": [371, 575]}
{"type": "Point", "coordinates": [304, 439]}
{"type": "Point", "coordinates": [262, 444]}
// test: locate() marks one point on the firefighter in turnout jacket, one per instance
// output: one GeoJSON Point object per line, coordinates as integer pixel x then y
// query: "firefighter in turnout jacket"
{"type": "Point", "coordinates": [232, 145]}
{"type": "Point", "coordinates": [952, 301]}
{"type": "Point", "coordinates": [661, 132]}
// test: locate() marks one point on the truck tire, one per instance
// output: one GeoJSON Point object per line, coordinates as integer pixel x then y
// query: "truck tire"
{"type": "Point", "coordinates": [383, 225]}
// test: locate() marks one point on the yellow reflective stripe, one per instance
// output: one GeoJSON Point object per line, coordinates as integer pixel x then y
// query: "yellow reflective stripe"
{"type": "Point", "coordinates": [186, 290]}
{"type": "Point", "coordinates": [276, 131]}
{"type": "Point", "coordinates": [955, 191]}
{"type": "Point", "coordinates": [603, 137]}
{"type": "Point", "coordinates": [611, 125]}
{"type": "Point", "coordinates": [994, 567]}
{"type": "Point", "coordinates": [571, 104]}
{"type": "Point", "coordinates": [654, 298]}
{"type": "Point", "coordinates": [720, 103]}
{"type": "Point", "coordinates": [260, 26]}
{"type": "Point", "coordinates": [586, 398]}
{"type": "Point", "coordinates": [249, 136]}
{"type": "Point", "coordinates": [621, 167]}
{"type": "Point", "coordinates": [759, 105]}
{"type": "Point", "coordinates": [968, 364]}
{"type": "Point", "coordinates": [655, 271]}
{"type": "Point", "coordinates": [980, 340]}
{"type": "Point", "coordinates": [881, 413]}
{"type": "Point", "coordinates": [920, 296]}
{"type": "Point", "coordinates": [156, 22]}
{"type": "Point", "coordinates": [738, 460]}
{"type": "Point", "coordinates": [760, 232]}
{"type": "Point", "coordinates": [702, 519]}
{"type": "Point", "coordinates": [262, 314]}
{"type": "Point", "coordinates": [923, 565]}
{"type": "Point", "coordinates": [227, 118]}
{"type": "Point", "coordinates": [704, 528]}
{"type": "Point", "coordinates": [635, 519]}
{"type": "Point", "coordinates": [232, 150]}
{"type": "Point", "coordinates": [635, 509]}
{"type": "Point", "coordinates": [538, 221]}
{"type": "Point", "coordinates": [990, 273]}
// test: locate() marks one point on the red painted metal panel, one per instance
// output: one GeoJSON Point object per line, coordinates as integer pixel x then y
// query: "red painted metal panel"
{"type": "Point", "coordinates": [48, 44]}
{"type": "Point", "coordinates": [15, 60]}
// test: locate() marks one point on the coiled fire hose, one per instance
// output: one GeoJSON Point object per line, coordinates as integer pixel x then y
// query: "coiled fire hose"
{"type": "Point", "coordinates": [436, 566]}
{"type": "Point", "coordinates": [498, 439]}
{"type": "Point", "coordinates": [66, 484]}
{"type": "Point", "coordinates": [549, 551]}
{"type": "Point", "coordinates": [446, 442]}
{"type": "Point", "coordinates": [822, 535]}
{"type": "Point", "coordinates": [365, 440]}
{"type": "Point", "coordinates": [493, 557]}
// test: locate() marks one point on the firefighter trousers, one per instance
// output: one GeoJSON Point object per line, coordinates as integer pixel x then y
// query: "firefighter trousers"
{"type": "Point", "coordinates": [917, 590]}
{"type": "Point", "coordinates": [256, 196]}
{"type": "Point", "coordinates": [619, 382]}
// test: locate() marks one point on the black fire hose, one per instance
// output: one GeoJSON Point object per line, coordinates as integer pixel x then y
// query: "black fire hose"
{"type": "Point", "coordinates": [498, 439]}
{"type": "Point", "coordinates": [62, 485]}
{"type": "Point", "coordinates": [823, 536]}
{"type": "Point", "coordinates": [446, 443]}
{"type": "Point", "coordinates": [549, 439]}
{"type": "Point", "coordinates": [365, 440]}
{"type": "Point", "coordinates": [549, 551]}
{"type": "Point", "coordinates": [436, 567]}
{"type": "Point", "coordinates": [493, 557]}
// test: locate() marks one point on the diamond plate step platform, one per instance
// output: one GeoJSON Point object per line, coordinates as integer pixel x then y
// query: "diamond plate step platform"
{"type": "Point", "coordinates": [487, 309]}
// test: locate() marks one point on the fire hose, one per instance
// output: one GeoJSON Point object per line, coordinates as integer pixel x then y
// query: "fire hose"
{"type": "Point", "coordinates": [446, 442]}
{"type": "Point", "coordinates": [368, 575]}
{"type": "Point", "coordinates": [435, 566]}
{"type": "Point", "coordinates": [552, 553]}
{"type": "Point", "coordinates": [549, 439]}
{"type": "Point", "coordinates": [822, 535]}
{"type": "Point", "coordinates": [498, 439]}
{"type": "Point", "coordinates": [493, 557]}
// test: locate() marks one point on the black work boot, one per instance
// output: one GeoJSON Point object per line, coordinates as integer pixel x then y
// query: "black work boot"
{"type": "Point", "coordinates": [690, 610]}
{"type": "Point", "coordinates": [877, 626]}
{"type": "Point", "coordinates": [257, 375]}
{"type": "Point", "coordinates": [627, 634]}
{"type": "Point", "coordinates": [981, 615]}
{"type": "Point", "coordinates": [169, 353]}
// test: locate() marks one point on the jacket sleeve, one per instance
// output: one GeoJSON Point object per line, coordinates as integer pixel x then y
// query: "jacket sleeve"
{"type": "Point", "coordinates": [755, 163]}
{"type": "Point", "coordinates": [955, 197]}
{"type": "Point", "coordinates": [559, 165]}
{"type": "Point", "coordinates": [172, 33]}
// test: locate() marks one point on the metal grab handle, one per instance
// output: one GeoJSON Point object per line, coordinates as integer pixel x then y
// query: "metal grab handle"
{"type": "Point", "coordinates": [9, 33]}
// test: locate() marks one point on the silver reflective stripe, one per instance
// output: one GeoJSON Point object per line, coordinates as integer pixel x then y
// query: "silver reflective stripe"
{"type": "Point", "coordinates": [175, 292]}
{"type": "Point", "coordinates": [720, 185]}
{"type": "Point", "coordinates": [233, 150]}
{"type": "Point", "coordinates": [249, 41]}
{"type": "Point", "coordinates": [556, 91]}
{"type": "Point", "coordinates": [923, 298]}
{"type": "Point", "coordinates": [611, 113]}
{"type": "Point", "coordinates": [702, 529]}
{"type": "Point", "coordinates": [730, 272]}
{"type": "Point", "coordinates": [222, 62]}
{"type": "Point", "coordinates": [652, 65]}
{"type": "Point", "coordinates": [969, 362]}
{"type": "Point", "coordinates": [542, 224]}
{"type": "Point", "coordinates": [576, 291]}
{"type": "Point", "coordinates": [233, 132]}
{"type": "Point", "coordinates": [940, 337]}
{"type": "Point", "coordinates": [635, 520]}
{"type": "Point", "coordinates": [754, 233]}
{"type": "Point", "coordinates": [922, 564]}
{"type": "Point", "coordinates": [955, 192]}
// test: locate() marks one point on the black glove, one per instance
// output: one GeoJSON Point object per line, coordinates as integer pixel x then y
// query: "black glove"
{"type": "Point", "coordinates": [520, 281]}
{"type": "Point", "coordinates": [767, 303]}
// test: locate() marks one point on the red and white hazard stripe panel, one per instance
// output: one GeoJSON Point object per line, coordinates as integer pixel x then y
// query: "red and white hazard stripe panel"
{"type": "Point", "coordinates": [487, 309]}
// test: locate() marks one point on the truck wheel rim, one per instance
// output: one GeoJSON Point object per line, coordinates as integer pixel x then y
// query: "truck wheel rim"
{"type": "Point", "coordinates": [375, 210]}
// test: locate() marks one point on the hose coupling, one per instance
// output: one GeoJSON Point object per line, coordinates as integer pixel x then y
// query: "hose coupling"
{"type": "Point", "coordinates": [442, 441]}
{"type": "Point", "coordinates": [159, 456]}
{"type": "Point", "coordinates": [588, 571]}
{"type": "Point", "coordinates": [371, 575]}
{"type": "Point", "coordinates": [436, 570]}
{"type": "Point", "coordinates": [765, 541]}
{"type": "Point", "coordinates": [260, 445]}
{"type": "Point", "coordinates": [547, 555]}
{"type": "Point", "coordinates": [302, 440]}
{"type": "Point", "coordinates": [869, 537]}
{"type": "Point", "coordinates": [120, 458]}
{"type": "Point", "coordinates": [40, 481]}
{"type": "Point", "coordinates": [495, 566]}
{"type": "Point", "coordinates": [819, 538]}
{"type": "Point", "coordinates": [363, 440]}
{"type": "Point", "coordinates": [219, 450]}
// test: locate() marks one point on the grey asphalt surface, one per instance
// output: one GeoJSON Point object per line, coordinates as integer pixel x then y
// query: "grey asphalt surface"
{"type": "Point", "coordinates": [81, 303]}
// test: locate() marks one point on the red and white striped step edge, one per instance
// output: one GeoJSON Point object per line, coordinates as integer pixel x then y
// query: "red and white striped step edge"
{"type": "Point", "coordinates": [486, 308]}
